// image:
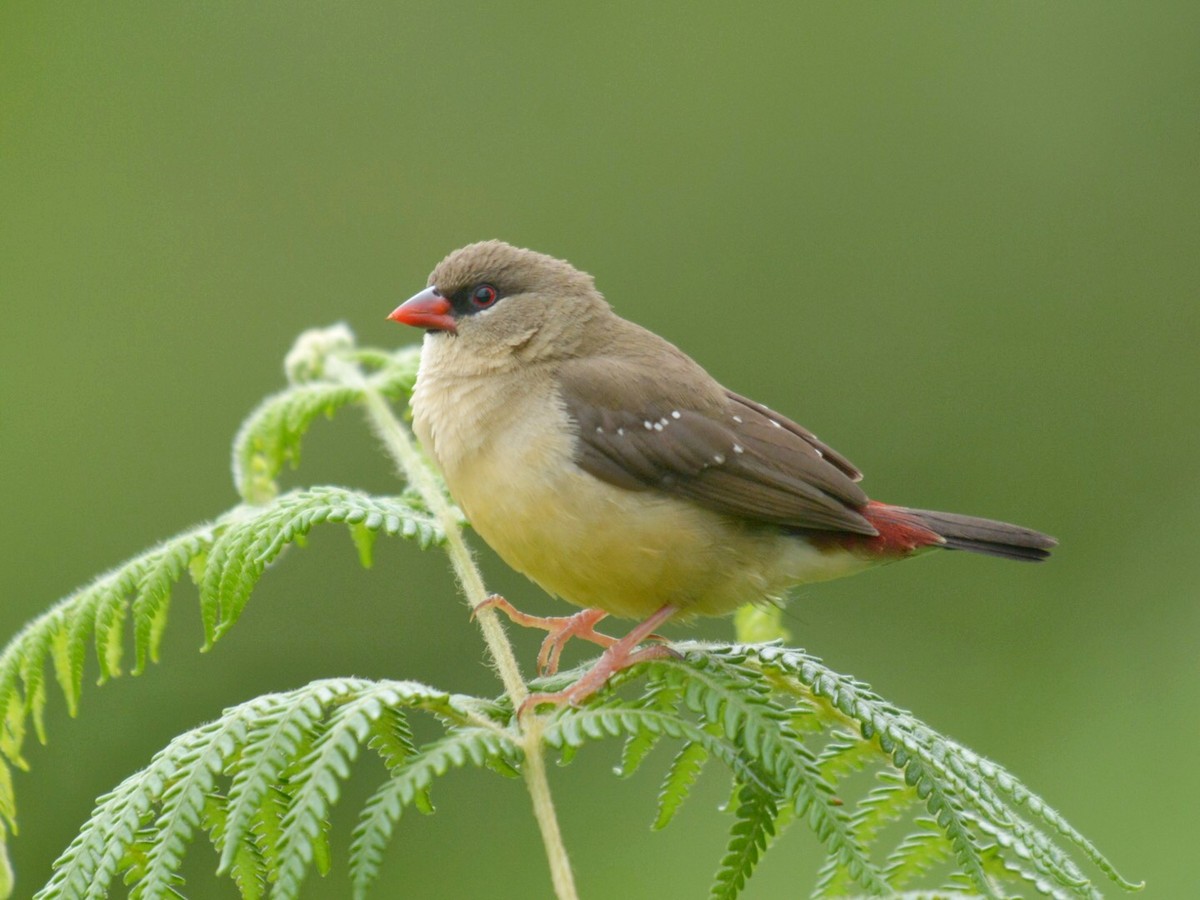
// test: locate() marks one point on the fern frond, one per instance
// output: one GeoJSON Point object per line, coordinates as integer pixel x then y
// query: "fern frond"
{"type": "Point", "coordinates": [962, 793]}
{"type": "Point", "coordinates": [270, 437]}
{"type": "Point", "coordinates": [739, 726]}
{"type": "Point", "coordinates": [884, 804]}
{"type": "Point", "coordinates": [917, 854]}
{"type": "Point", "coordinates": [267, 828]}
{"type": "Point", "coordinates": [182, 808]}
{"type": "Point", "coordinates": [273, 742]}
{"type": "Point", "coordinates": [316, 788]}
{"type": "Point", "coordinates": [62, 634]}
{"type": "Point", "coordinates": [844, 755]}
{"type": "Point", "coordinates": [248, 866]}
{"type": "Point", "coordinates": [253, 536]}
{"type": "Point", "coordinates": [752, 830]}
{"type": "Point", "coordinates": [964, 761]}
{"type": "Point", "coordinates": [231, 554]}
{"type": "Point", "coordinates": [149, 608]}
{"type": "Point", "coordinates": [88, 865]}
{"type": "Point", "coordinates": [733, 695]}
{"type": "Point", "coordinates": [409, 785]}
{"type": "Point", "coordinates": [660, 696]}
{"type": "Point", "coordinates": [144, 826]}
{"type": "Point", "coordinates": [685, 768]}
{"type": "Point", "coordinates": [264, 778]}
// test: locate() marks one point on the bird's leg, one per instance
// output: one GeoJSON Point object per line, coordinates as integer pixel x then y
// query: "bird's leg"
{"type": "Point", "coordinates": [559, 629]}
{"type": "Point", "coordinates": [621, 654]}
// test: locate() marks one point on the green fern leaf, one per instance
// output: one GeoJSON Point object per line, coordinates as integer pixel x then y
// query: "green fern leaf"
{"type": "Point", "coordinates": [393, 373]}
{"type": "Point", "coordinates": [274, 740]}
{"type": "Point", "coordinates": [267, 828]}
{"type": "Point", "coordinates": [252, 537]}
{"type": "Point", "coordinates": [576, 727]}
{"type": "Point", "coordinates": [8, 809]}
{"type": "Point", "coordinates": [392, 739]}
{"type": "Point", "coordinates": [270, 437]}
{"type": "Point", "coordinates": [663, 697]}
{"type": "Point", "coordinates": [315, 788]}
{"type": "Point", "coordinates": [409, 783]}
{"type": "Point", "coordinates": [24, 658]}
{"type": "Point", "coordinates": [963, 794]}
{"type": "Point", "coordinates": [1003, 869]}
{"type": "Point", "coordinates": [734, 695]}
{"type": "Point", "coordinates": [895, 731]}
{"type": "Point", "coordinates": [62, 635]}
{"type": "Point", "coordinates": [844, 755]}
{"type": "Point", "coordinates": [110, 630]}
{"type": "Point", "coordinates": [886, 803]}
{"type": "Point", "coordinates": [753, 828]}
{"type": "Point", "coordinates": [917, 854]}
{"type": "Point", "coordinates": [233, 553]}
{"type": "Point", "coordinates": [685, 768]}
{"type": "Point", "coordinates": [178, 792]}
{"type": "Point", "coordinates": [88, 865]}
{"type": "Point", "coordinates": [364, 542]}
{"type": "Point", "coordinates": [158, 574]}
{"type": "Point", "coordinates": [963, 762]}
{"type": "Point", "coordinates": [248, 868]}
{"type": "Point", "coordinates": [183, 805]}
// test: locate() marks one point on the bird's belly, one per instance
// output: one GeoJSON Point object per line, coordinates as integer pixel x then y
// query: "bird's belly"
{"type": "Point", "coordinates": [589, 542]}
{"type": "Point", "coordinates": [595, 545]}
{"type": "Point", "coordinates": [630, 552]}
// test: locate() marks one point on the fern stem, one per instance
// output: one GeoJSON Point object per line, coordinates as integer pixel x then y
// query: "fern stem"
{"type": "Point", "coordinates": [543, 807]}
{"type": "Point", "coordinates": [404, 452]}
{"type": "Point", "coordinates": [396, 438]}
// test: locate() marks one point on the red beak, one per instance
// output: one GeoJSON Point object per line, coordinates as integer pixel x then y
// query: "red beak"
{"type": "Point", "coordinates": [428, 309]}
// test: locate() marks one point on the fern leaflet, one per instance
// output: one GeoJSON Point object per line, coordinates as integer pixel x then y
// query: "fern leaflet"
{"type": "Point", "coordinates": [409, 785]}
{"type": "Point", "coordinates": [753, 828]}
{"type": "Point", "coordinates": [684, 770]}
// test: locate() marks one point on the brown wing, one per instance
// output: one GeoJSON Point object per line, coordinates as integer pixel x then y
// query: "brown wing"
{"type": "Point", "coordinates": [724, 452]}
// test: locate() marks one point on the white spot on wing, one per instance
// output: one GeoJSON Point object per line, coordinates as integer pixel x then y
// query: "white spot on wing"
{"type": "Point", "coordinates": [648, 424]}
{"type": "Point", "coordinates": [718, 458]}
{"type": "Point", "coordinates": [738, 419]}
{"type": "Point", "coordinates": [621, 432]}
{"type": "Point", "coordinates": [776, 424]}
{"type": "Point", "coordinates": [674, 414]}
{"type": "Point", "coordinates": [737, 448]}
{"type": "Point", "coordinates": [658, 426]}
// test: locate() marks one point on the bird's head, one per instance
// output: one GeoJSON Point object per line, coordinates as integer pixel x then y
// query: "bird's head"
{"type": "Point", "coordinates": [498, 303]}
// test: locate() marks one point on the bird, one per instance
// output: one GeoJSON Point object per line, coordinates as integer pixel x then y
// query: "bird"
{"type": "Point", "coordinates": [610, 468]}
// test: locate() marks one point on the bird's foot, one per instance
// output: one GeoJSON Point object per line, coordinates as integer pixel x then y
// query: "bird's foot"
{"type": "Point", "coordinates": [596, 677]}
{"type": "Point", "coordinates": [621, 654]}
{"type": "Point", "coordinates": [559, 629]}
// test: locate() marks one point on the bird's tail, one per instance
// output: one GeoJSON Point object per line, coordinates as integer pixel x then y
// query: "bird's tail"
{"type": "Point", "coordinates": [985, 535]}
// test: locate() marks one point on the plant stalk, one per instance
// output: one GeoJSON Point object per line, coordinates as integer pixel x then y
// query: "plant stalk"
{"type": "Point", "coordinates": [395, 437]}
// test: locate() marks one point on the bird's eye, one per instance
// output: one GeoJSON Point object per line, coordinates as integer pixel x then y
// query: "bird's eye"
{"type": "Point", "coordinates": [483, 296]}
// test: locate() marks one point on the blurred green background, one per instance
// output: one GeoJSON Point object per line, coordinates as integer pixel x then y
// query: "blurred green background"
{"type": "Point", "coordinates": [959, 241]}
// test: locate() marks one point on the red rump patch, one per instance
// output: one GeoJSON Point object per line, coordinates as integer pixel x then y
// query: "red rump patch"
{"type": "Point", "coordinates": [900, 533]}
